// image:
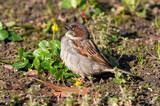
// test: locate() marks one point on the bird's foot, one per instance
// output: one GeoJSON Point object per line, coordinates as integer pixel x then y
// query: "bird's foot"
{"type": "Point", "coordinates": [79, 79]}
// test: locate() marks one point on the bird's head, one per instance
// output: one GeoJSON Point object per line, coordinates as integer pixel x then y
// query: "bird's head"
{"type": "Point", "coordinates": [77, 31]}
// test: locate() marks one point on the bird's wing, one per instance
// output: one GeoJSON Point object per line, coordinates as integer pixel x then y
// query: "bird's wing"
{"type": "Point", "coordinates": [89, 49]}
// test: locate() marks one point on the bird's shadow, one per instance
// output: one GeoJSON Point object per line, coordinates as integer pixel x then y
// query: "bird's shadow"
{"type": "Point", "coordinates": [123, 62]}
{"type": "Point", "coordinates": [155, 5]}
{"type": "Point", "coordinates": [107, 75]}
{"type": "Point", "coordinates": [130, 35]}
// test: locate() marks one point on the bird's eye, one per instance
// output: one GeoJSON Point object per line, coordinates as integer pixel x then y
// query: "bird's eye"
{"type": "Point", "coordinates": [73, 29]}
{"type": "Point", "coordinates": [72, 33]}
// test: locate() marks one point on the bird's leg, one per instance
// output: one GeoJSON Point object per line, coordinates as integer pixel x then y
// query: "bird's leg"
{"type": "Point", "coordinates": [81, 79]}
{"type": "Point", "coordinates": [91, 80]}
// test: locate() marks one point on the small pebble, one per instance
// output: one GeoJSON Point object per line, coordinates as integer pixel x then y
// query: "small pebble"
{"type": "Point", "coordinates": [150, 89]}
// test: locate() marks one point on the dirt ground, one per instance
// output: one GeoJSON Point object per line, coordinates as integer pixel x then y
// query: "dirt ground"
{"type": "Point", "coordinates": [142, 37]}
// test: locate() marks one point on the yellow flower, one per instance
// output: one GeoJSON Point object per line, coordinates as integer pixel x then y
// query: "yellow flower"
{"type": "Point", "coordinates": [54, 27]}
{"type": "Point", "coordinates": [78, 83]}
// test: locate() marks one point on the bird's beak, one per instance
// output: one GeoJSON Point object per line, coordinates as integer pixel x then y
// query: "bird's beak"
{"type": "Point", "coordinates": [67, 27]}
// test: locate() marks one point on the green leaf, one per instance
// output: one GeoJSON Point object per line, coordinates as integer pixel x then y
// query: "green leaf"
{"type": "Point", "coordinates": [18, 65]}
{"type": "Point", "coordinates": [114, 38]}
{"type": "Point", "coordinates": [22, 64]}
{"type": "Point", "coordinates": [97, 11]}
{"type": "Point", "coordinates": [14, 37]}
{"type": "Point", "coordinates": [123, 80]}
{"type": "Point", "coordinates": [43, 44]}
{"type": "Point", "coordinates": [29, 66]}
{"type": "Point", "coordinates": [66, 75]}
{"type": "Point", "coordinates": [56, 46]}
{"type": "Point", "coordinates": [74, 3]}
{"type": "Point", "coordinates": [66, 4]}
{"type": "Point", "coordinates": [56, 66]}
{"type": "Point", "coordinates": [58, 74]}
{"type": "Point", "coordinates": [2, 26]}
{"type": "Point", "coordinates": [66, 69]}
{"type": "Point", "coordinates": [36, 63]}
{"type": "Point", "coordinates": [11, 24]}
{"type": "Point", "coordinates": [112, 100]}
{"type": "Point", "coordinates": [28, 55]}
{"type": "Point", "coordinates": [3, 35]}
{"type": "Point", "coordinates": [26, 61]}
{"type": "Point", "coordinates": [42, 54]}
{"type": "Point", "coordinates": [142, 14]}
{"type": "Point", "coordinates": [83, 4]}
{"type": "Point", "coordinates": [121, 47]}
{"type": "Point", "coordinates": [21, 53]}
{"type": "Point", "coordinates": [46, 64]}
{"type": "Point", "coordinates": [47, 28]}
{"type": "Point", "coordinates": [157, 22]}
{"type": "Point", "coordinates": [52, 70]}
{"type": "Point", "coordinates": [87, 13]}
{"type": "Point", "coordinates": [60, 65]}
{"type": "Point", "coordinates": [117, 80]}
{"type": "Point", "coordinates": [69, 79]}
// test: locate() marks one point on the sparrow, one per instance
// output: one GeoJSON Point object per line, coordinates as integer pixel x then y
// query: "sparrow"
{"type": "Point", "coordinates": [81, 55]}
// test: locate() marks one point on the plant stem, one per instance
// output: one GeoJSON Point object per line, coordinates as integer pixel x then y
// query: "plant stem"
{"type": "Point", "coordinates": [52, 42]}
{"type": "Point", "coordinates": [9, 60]}
{"type": "Point", "coordinates": [63, 81]}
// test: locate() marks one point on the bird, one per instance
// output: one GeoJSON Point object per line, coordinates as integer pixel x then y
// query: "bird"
{"type": "Point", "coordinates": [81, 55]}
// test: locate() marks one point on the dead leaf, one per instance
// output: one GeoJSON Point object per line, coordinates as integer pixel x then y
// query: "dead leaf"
{"type": "Point", "coordinates": [3, 84]}
{"type": "Point", "coordinates": [154, 37]}
{"type": "Point", "coordinates": [17, 86]}
{"type": "Point", "coordinates": [87, 4]}
{"type": "Point", "coordinates": [83, 14]}
{"type": "Point", "coordinates": [44, 2]}
{"type": "Point", "coordinates": [33, 73]}
{"type": "Point", "coordinates": [61, 18]}
{"type": "Point", "coordinates": [42, 25]}
{"type": "Point", "coordinates": [60, 91]}
{"type": "Point", "coordinates": [118, 9]}
{"type": "Point", "coordinates": [8, 66]}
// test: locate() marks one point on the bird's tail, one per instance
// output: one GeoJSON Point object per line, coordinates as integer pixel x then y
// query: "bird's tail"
{"type": "Point", "coordinates": [121, 70]}
{"type": "Point", "coordinates": [127, 72]}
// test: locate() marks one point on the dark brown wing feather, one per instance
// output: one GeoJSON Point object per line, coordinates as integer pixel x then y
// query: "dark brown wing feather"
{"type": "Point", "coordinates": [89, 49]}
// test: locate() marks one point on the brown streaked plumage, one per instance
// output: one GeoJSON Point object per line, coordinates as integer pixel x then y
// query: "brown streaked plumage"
{"type": "Point", "coordinates": [88, 48]}
{"type": "Point", "coordinates": [81, 55]}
